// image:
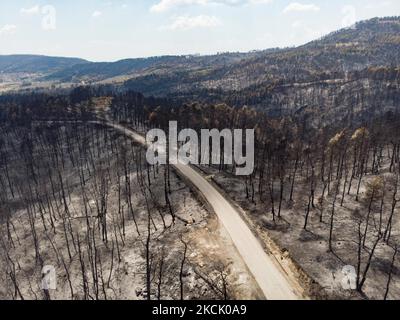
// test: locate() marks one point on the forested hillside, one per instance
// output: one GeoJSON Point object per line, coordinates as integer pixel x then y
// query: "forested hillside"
{"type": "Point", "coordinates": [369, 44]}
{"type": "Point", "coordinates": [35, 64]}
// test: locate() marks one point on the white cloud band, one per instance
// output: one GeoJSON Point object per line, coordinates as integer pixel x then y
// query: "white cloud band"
{"type": "Point", "coordinates": [300, 7]}
{"type": "Point", "coordinates": [165, 5]}
{"type": "Point", "coordinates": [191, 22]}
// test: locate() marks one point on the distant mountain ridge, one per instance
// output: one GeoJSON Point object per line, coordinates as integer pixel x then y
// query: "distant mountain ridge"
{"type": "Point", "coordinates": [370, 43]}
{"type": "Point", "coordinates": [36, 63]}
{"type": "Point", "coordinates": [132, 67]}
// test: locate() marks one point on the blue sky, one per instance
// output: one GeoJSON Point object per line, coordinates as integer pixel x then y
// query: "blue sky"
{"type": "Point", "coordinates": [108, 30]}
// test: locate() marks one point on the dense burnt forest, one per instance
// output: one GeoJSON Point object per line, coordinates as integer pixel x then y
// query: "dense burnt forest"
{"type": "Point", "coordinates": [334, 183]}
{"type": "Point", "coordinates": [331, 189]}
{"type": "Point", "coordinates": [82, 198]}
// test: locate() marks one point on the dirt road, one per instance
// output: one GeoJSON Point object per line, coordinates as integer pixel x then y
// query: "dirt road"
{"type": "Point", "coordinates": [268, 274]}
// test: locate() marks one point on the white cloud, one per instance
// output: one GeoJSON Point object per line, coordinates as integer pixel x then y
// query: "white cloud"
{"type": "Point", "coordinates": [8, 29]}
{"type": "Point", "coordinates": [97, 14]}
{"type": "Point", "coordinates": [300, 7]}
{"type": "Point", "coordinates": [30, 11]}
{"type": "Point", "coordinates": [260, 1]}
{"type": "Point", "coordinates": [165, 5]}
{"type": "Point", "coordinates": [190, 22]}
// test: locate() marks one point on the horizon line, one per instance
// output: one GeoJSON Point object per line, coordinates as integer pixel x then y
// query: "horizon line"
{"type": "Point", "coordinates": [198, 54]}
